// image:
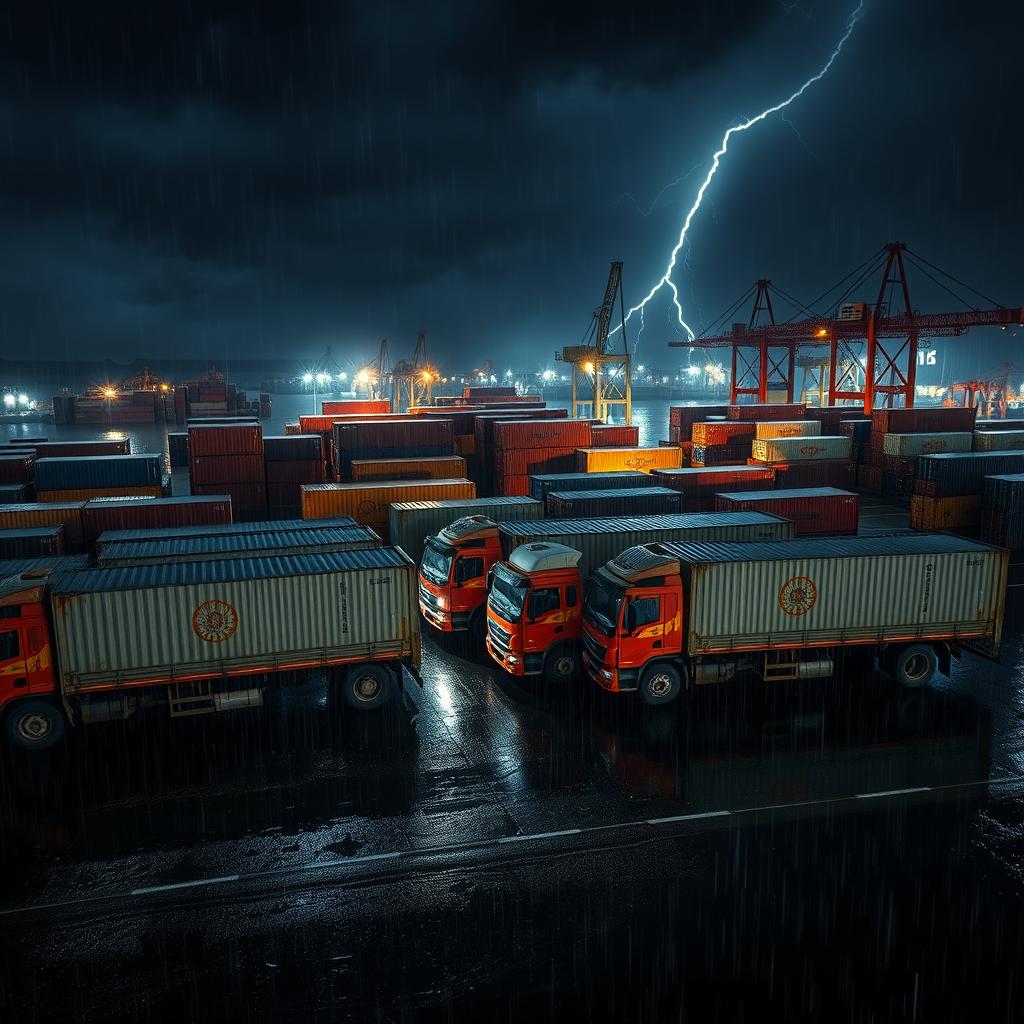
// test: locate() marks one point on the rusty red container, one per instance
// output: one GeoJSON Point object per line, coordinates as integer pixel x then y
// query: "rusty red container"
{"type": "Point", "coordinates": [229, 439]}
{"type": "Point", "coordinates": [102, 514]}
{"type": "Point", "coordinates": [248, 501]}
{"type": "Point", "coordinates": [812, 510]}
{"type": "Point", "coordinates": [529, 461]}
{"type": "Point", "coordinates": [726, 432]}
{"type": "Point", "coordinates": [536, 434]}
{"type": "Point", "coordinates": [615, 435]}
{"type": "Point", "coordinates": [710, 480]}
{"type": "Point", "coordinates": [684, 416]}
{"type": "Point", "coordinates": [355, 405]}
{"type": "Point", "coordinates": [224, 469]}
{"type": "Point", "coordinates": [830, 416]}
{"type": "Point", "coordinates": [69, 449]}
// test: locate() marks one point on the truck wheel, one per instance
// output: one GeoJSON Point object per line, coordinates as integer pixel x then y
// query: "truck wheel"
{"type": "Point", "coordinates": [560, 665]}
{"type": "Point", "coordinates": [34, 725]}
{"type": "Point", "coordinates": [366, 687]}
{"type": "Point", "coordinates": [660, 684]}
{"type": "Point", "coordinates": [477, 630]}
{"type": "Point", "coordinates": [915, 665]}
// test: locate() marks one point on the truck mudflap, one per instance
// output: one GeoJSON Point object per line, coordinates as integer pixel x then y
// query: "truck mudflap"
{"type": "Point", "coordinates": [413, 671]}
{"type": "Point", "coordinates": [983, 647]}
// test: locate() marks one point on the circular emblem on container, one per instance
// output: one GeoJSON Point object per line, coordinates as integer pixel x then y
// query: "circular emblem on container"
{"type": "Point", "coordinates": [798, 595]}
{"type": "Point", "coordinates": [214, 621]}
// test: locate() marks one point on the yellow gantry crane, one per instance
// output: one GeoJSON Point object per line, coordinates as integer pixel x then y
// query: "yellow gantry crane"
{"type": "Point", "coordinates": [413, 379]}
{"type": "Point", "coordinates": [602, 378]}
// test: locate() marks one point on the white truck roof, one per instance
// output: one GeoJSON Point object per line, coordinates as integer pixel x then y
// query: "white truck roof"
{"type": "Point", "coordinates": [544, 556]}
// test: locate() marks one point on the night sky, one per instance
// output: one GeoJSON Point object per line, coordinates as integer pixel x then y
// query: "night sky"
{"type": "Point", "coordinates": [230, 179]}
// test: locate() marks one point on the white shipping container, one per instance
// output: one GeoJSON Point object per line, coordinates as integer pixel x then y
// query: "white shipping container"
{"type": "Point", "coordinates": [769, 429]}
{"type": "Point", "coordinates": [801, 449]}
{"type": "Point", "coordinates": [821, 592]}
{"type": "Point", "coordinates": [909, 446]}
{"type": "Point", "coordinates": [411, 522]}
{"type": "Point", "coordinates": [998, 440]}
{"type": "Point", "coordinates": [197, 620]}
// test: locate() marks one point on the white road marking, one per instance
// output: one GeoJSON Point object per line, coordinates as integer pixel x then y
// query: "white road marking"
{"type": "Point", "coordinates": [146, 890]}
{"type": "Point", "coordinates": [687, 817]}
{"type": "Point", "coordinates": [893, 792]}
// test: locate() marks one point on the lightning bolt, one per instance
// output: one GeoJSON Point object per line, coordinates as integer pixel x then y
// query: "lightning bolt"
{"type": "Point", "coordinates": [666, 279]}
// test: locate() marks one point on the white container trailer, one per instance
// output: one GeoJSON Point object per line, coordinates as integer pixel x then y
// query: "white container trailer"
{"type": "Point", "coordinates": [98, 644]}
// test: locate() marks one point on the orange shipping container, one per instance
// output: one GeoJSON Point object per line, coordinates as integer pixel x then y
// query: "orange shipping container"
{"type": "Point", "coordinates": [30, 515]}
{"type": "Point", "coordinates": [465, 444]}
{"type": "Point", "coordinates": [945, 513]}
{"type": "Point", "coordinates": [439, 467]}
{"type": "Point", "coordinates": [368, 503]}
{"type": "Point", "coordinates": [613, 460]}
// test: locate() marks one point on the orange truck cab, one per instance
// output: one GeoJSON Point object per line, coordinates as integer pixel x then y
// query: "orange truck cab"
{"type": "Point", "coordinates": [453, 575]}
{"type": "Point", "coordinates": [534, 602]}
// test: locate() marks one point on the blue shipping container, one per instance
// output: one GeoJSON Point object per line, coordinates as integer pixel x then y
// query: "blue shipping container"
{"type": "Point", "coordinates": [98, 471]}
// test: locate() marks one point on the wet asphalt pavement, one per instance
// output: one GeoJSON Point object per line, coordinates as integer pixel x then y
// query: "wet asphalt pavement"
{"type": "Point", "coordinates": [490, 850]}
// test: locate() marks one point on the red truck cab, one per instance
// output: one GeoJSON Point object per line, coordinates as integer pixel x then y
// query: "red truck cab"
{"type": "Point", "coordinates": [453, 575]}
{"type": "Point", "coordinates": [26, 660]}
{"type": "Point", "coordinates": [534, 604]}
{"type": "Point", "coordinates": [633, 618]}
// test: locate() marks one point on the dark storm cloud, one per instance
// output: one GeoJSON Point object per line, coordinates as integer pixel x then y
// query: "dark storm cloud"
{"type": "Point", "coordinates": [241, 178]}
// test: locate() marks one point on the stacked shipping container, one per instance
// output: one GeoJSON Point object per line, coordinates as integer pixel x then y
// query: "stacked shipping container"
{"type": "Point", "coordinates": [526, 447]}
{"type": "Point", "coordinates": [812, 510]}
{"type": "Point", "coordinates": [410, 437]}
{"type": "Point", "coordinates": [1002, 510]}
{"type": "Point", "coordinates": [699, 486]}
{"type": "Point", "coordinates": [228, 459]}
{"type": "Point", "coordinates": [289, 462]}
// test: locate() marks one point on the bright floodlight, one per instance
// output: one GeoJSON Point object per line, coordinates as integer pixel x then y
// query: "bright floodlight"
{"type": "Point", "coordinates": [307, 378]}
{"type": "Point", "coordinates": [10, 401]}
{"type": "Point", "coordinates": [426, 375]}
{"type": "Point", "coordinates": [362, 377]}
{"type": "Point", "coordinates": [343, 376]}
{"type": "Point", "coordinates": [693, 370]}
{"type": "Point", "coordinates": [322, 378]}
{"type": "Point", "coordinates": [22, 399]}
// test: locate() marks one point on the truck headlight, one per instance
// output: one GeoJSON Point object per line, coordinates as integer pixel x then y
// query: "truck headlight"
{"type": "Point", "coordinates": [605, 674]}
{"type": "Point", "coordinates": [513, 660]}
{"type": "Point", "coordinates": [442, 602]}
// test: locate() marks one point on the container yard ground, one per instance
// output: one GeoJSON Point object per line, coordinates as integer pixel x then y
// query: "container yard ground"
{"type": "Point", "coordinates": [565, 855]}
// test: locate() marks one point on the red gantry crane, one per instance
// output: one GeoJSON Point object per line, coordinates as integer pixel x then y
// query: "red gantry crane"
{"type": "Point", "coordinates": [872, 348]}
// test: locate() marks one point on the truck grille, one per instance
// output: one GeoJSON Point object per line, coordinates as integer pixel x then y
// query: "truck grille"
{"type": "Point", "coordinates": [500, 638]}
{"type": "Point", "coordinates": [593, 649]}
{"type": "Point", "coordinates": [427, 597]}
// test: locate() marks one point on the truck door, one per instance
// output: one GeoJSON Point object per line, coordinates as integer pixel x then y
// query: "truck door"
{"type": "Point", "coordinates": [13, 671]}
{"type": "Point", "coordinates": [650, 627]}
{"type": "Point", "coordinates": [469, 572]}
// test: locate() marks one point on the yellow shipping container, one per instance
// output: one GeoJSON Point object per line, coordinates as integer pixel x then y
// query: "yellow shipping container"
{"type": "Point", "coordinates": [768, 430]}
{"type": "Point", "coordinates": [438, 467]}
{"type": "Point", "coordinates": [86, 493]}
{"type": "Point", "coordinates": [30, 515]}
{"type": "Point", "coordinates": [614, 460]}
{"type": "Point", "coordinates": [368, 503]}
{"type": "Point", "coordinates": [465, 444]}
{"type": "Point", "coordinates": [961, 512]}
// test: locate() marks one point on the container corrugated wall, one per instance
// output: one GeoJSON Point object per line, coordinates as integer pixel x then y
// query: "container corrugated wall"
{"type": "Point", "coordinates": [770, 429]}
{"type": "Point", "coordinates": [909, 446]}
{"type": "Point", "coordinates": [801, 449]}
{"type": "Point", "coordinates": [206, 618]}
{"type": "Point", "coordinates": [98, 471]}
{"type": "Point", "coordinates": [411, 522]}
{"type": "Point", "coordinates": [254, 545]}
{"type": "Point", "coordinates": [223, 529]}
{"type": "Point", "coordinates": [437, 467]}
{"type": "Point", "coordinates": [541, 484]}
{"type": "Point", "coordinates": [812, 510]}
{"type": "Point", "coordinates": [32, 514]}
{"type": "Point", "coordinates": [368, 503]}
{"type": "Point", "coordinates": [624, 501]}
{"type": "Point", "coordinates": [998, 440]}
{"type": "Point", "coordinates": [600, 540]}
{"type": "Point", "coordinates": [84, 494]}
{"type": "Point", "coordinates": [805, 599]}
{"type": "Point", "coordinates": [603, 460]}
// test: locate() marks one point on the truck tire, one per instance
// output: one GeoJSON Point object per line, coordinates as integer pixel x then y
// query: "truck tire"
{"type": "Point", "coordinates": [34, 725]}
{"type": "Point", "coordinates": [914, 665]}
{"type": "Point", "coordinates": [660, 684]}
{"type": "Point", "coordinates": [366, 687]}
{"type": "Point", "coordinates": [560, 665]}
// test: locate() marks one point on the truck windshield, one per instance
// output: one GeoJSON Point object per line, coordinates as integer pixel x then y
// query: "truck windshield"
{"type": "Point", "coordinates": [604, 602]}
{"type": "Point", "coordinates": [508, 592]}
{"type": "Point", "coordinates": [437, 561]}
